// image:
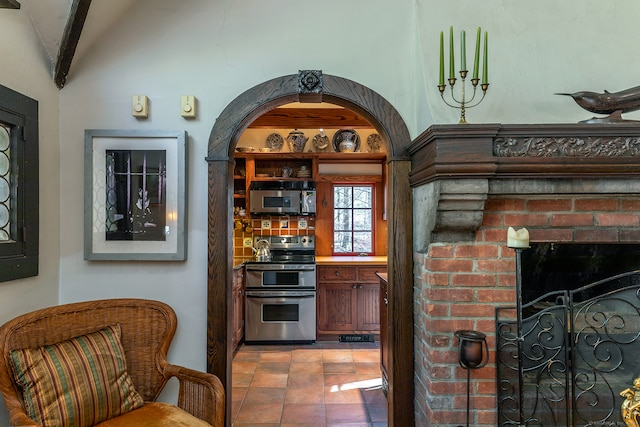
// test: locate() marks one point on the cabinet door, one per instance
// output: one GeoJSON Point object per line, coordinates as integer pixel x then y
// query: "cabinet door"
{"type": "Point", "coordinates": [337, 307]}
{"type": "Point", "coordinates": [369, 306]}
{"type": "Point", "coordinates": [238, 308]}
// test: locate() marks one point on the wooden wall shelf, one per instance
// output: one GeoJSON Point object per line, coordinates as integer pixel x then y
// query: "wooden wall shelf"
{"type": "Point", "coordinates": [304, 118]}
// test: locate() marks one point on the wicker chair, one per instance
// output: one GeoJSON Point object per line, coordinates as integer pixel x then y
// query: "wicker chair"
{"type": "Point", "coordinates": [147, 330]}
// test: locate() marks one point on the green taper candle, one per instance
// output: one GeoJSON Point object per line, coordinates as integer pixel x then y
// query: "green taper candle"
{"type": "Point", "coordinates": [476, 61]}
{"type": "Point", "coordinates": [441, 81]}
{"type": "Point", "coordinates": [485, 73]}
{"type": "Point", "coordinates": [452, 67]}
{"type": "Point", "coordinates": [463, 50]}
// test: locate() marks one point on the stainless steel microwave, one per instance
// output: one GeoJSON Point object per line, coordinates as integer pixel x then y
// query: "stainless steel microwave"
{"type": "Point", "coordinates": [282, 197]}
{"type": "Point", "coordinates": [282, 202]}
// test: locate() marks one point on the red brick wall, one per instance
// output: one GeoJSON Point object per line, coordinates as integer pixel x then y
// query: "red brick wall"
{"type": "Point", "coordinates": [458, 286]}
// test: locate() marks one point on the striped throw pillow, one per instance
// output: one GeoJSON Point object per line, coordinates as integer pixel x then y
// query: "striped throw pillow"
{"type": "Point", "coordinates": [76, 383]}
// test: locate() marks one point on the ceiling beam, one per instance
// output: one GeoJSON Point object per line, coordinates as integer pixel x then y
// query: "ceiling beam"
{"type": "Point", "coordinates": [9, 4]}
{"type": "Point", "coordinates": [70, 38]}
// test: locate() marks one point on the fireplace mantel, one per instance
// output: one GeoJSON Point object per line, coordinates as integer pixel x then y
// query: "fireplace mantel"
{"type": "Point", "coordinates": [458, 166]}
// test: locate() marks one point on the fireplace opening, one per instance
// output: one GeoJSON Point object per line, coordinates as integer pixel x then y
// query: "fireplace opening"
{"type": "Point", "coordinates": [550, 267]}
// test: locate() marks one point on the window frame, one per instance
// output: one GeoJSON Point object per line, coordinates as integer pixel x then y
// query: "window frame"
{"type": "Point", "coordinates": [19, 256]}
{"type": "Point", "coordinates": [374, 221]}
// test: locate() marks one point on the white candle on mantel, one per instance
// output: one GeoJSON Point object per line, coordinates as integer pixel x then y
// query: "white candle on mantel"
{"type": "Point", "coordinates": [518, 239]}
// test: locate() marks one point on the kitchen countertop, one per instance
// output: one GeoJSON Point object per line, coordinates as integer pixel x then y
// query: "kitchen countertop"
{"type": "Point", "coordinates": [336, 260]}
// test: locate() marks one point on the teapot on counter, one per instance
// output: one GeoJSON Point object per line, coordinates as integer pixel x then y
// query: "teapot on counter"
{"type": "Point", "coordinates": [297, 141]}
{"type": "Point", "coordinates": [262, 251]}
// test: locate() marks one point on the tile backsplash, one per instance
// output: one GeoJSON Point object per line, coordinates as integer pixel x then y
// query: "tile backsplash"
{"type": "Point", "coordinates": [279, 226]}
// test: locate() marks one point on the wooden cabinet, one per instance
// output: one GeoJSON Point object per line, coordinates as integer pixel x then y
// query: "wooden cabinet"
{"type": "Point", "coordinates": [348, 299]}
{"type": "Point", "coordinates": [237, 294]}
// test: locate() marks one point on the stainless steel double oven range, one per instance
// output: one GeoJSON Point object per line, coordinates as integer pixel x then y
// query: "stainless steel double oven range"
{"type": "Point", "coordinates": [281, 293]}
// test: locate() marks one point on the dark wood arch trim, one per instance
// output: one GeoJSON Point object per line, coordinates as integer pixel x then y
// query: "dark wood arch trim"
{"type": "Point", "coordinates": [233, 120]}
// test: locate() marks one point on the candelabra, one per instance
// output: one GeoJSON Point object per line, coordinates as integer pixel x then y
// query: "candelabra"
{"type": "Point", "coordinates": [463, 103]}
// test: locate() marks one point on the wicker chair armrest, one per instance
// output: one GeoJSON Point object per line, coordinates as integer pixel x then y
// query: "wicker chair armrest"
{"type": "Point", "coordinates": [201, 394]}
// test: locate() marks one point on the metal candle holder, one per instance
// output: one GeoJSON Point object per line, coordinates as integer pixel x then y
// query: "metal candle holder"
{"type": "Point", "coordinates": [463, 103]}
{"type": "Point", "coordinates": [473, 353]}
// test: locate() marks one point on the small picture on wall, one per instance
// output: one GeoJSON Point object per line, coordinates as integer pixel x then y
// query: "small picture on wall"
{"type": "Point", "coordinates": [135, 190]}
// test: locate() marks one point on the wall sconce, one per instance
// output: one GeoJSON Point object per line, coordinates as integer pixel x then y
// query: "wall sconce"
{"type": "Point", "coordinates": [473, 353]}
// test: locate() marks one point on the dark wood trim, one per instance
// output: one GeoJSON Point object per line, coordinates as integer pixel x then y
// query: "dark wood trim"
{"type": "Point", "coordinates": [304, 118]}
{"type": "Point", "coordinates": [525, 151]}
{"type": "Point", "coordinates": [70, 38]}
{"type": "Point", "coordinates": [233, 120]}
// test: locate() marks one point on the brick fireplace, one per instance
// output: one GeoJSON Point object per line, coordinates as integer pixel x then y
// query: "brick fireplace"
{"type": "Point", "coordinates": [565, 183]}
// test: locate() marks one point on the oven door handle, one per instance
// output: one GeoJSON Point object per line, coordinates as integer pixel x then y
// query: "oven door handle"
{"type": "Point", "coordinates": [261, 294]}
{"type": "Point", "coordinates": [280, 267]}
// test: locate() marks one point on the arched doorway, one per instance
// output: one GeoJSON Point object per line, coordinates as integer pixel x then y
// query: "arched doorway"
{"type": "Point", "coordinates": [312, 86]}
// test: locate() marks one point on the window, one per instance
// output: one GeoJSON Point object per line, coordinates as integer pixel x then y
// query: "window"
{"type": "Point", "coordinates": [18, 185]}
{"type": "Point", "coordinates": [353, 219]}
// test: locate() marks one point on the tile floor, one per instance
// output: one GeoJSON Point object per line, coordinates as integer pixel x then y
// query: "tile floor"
{"type": "Point", "coordinates": [328, 384]}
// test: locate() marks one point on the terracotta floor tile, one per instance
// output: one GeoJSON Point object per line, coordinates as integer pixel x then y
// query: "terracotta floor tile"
{"type": "Point", "coordinates": [352, 413]}
{"type": "Point", "coordinates": [327, 384]}
{"type": "Point", "coordinates": [338, 379]}
{"type": "Point", "coordinates": [316, 368]}
{"type": "Point", "coordinates": [347, 424]}
{"type": "Point", "coordinates": [304, 414]}
{"type": "Point", "coordinates": [339, 367]}
{"type": "Point", "coordinates": [337, 356]}
{"type": "Point", "coordinates": [275, 356]}
{"type": "Point", "coordinates": [269, 380]}
{"type": "Point", "coordinates": [366, 356]}
{"type": "Point", "coordinates": [304, 395]}
{"type": "Point", "coordinates": [241, 380]}
{"type": "Point", "coordinates": [336, 395]}
{"type": "Point", "coordinates": [377, 412]}
{"type": "Point", "coordinates": [305, 379]}
{"type": "Point", "coordinates": [257, 413]}
{"type": "Point", "coordinates": [273, 368]}
{"type": "Point", "coordinates": [370, 368]}
{"type": "Point", "coordinates": [247, 367]}
{"type": "Point", "coordinates": [306, 356]}
{"type": "Point", "coordinates": [265, 395]}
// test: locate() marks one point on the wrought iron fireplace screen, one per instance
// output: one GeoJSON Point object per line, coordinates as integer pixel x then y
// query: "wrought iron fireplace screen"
{"type": "Point", "coordinates": [579, 349]}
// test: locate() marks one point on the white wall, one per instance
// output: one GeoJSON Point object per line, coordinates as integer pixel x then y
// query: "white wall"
{"type": "Point", "coordinates": [24, 69]}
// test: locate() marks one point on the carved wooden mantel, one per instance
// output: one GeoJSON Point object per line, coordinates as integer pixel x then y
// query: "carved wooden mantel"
{"type": "Point", "coordinates": [462, 164]}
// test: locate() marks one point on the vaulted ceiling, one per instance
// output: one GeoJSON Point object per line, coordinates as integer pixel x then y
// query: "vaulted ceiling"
{"type": "Point", "coordinates": [69, 28]}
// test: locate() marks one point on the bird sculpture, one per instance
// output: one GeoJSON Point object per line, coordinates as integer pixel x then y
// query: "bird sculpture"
{"type": "Point", "coordinates": [611, 103]}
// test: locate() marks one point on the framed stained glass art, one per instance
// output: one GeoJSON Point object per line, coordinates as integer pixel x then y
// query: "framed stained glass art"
{"type": "Point", "coordinates": [135, 190]}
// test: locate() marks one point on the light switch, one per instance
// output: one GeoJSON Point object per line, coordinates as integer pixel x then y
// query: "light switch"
{"type": "Point", "coordinates": [140, 107]}
{"type": "Point", "coordinates": [188, 106]}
